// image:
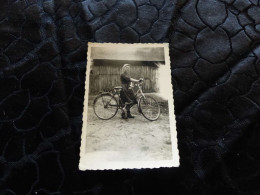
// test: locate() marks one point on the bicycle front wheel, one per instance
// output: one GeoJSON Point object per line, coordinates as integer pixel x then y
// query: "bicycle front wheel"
{"type": "Point", "coordinates": [105, 106]}
{"type": "Point", "coordinates": [149, 108]}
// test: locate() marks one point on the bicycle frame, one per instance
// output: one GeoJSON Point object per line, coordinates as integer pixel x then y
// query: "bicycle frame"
{"type": "Point", "coordinates": [139, 91]}
{"type": "Point", "coordinates": [116, 95]}
{"type": "Point", "coordinates": [139, 98]}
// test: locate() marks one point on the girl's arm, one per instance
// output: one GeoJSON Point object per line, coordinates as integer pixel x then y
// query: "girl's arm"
{"type": "Point", "coordinates": [134, 80]}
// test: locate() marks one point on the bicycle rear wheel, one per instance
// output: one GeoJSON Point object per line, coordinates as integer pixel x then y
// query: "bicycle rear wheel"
{"type": "Point", "coordinates": [149, 108]}
{"type": "Point", "coordinates": [105, 106]}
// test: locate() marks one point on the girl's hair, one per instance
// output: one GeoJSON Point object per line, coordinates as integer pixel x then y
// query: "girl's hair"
{"type": "Point", "coordinates": [124, 67]}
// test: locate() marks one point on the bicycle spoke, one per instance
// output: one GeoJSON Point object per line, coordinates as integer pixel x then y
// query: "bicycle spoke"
{"type": "Point", "coordinates": [105, 106]}
{"type": "Point", "coordinates": [150, 108]}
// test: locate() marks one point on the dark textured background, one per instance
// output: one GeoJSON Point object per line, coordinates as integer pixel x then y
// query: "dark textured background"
{"type": "Point", "coordinates": [215, 52]}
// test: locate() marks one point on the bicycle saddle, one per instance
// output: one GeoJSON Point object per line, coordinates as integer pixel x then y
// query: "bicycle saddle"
{"type": "Point", "coordinates": [118, 87]}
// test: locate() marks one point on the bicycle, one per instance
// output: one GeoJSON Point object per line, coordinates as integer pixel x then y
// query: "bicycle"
{"type": "Point", "coordinates": [106, 104]}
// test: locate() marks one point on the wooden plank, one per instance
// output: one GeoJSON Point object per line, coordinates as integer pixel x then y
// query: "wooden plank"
{"type": "Point", "coordinates": [104, 76]}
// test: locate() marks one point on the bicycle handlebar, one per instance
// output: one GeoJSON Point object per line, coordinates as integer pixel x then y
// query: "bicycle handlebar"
{"type": "Point", "coordinates": [140, 83]}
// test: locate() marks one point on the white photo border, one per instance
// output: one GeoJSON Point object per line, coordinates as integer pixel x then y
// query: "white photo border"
{"type": "Point", "coordinates": [92, 164]}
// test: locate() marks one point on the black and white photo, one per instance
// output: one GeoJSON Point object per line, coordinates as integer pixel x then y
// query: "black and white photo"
{"type": "Point", "coordinates": [128, 118]}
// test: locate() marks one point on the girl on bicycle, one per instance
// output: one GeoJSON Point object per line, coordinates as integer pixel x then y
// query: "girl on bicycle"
{"type": "Point", "coordinates": [127, 93]}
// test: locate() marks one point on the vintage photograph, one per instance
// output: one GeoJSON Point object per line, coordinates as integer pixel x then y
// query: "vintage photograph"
{"type": "Point", "coordinates": [128, 118]}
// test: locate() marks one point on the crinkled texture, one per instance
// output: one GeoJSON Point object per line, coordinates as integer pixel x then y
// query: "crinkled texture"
{"type": "Point", "coordinates": [215, 61]}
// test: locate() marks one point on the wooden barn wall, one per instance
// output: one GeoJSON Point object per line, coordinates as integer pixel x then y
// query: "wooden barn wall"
{"type": "Point", "coordinates": [106, 77]}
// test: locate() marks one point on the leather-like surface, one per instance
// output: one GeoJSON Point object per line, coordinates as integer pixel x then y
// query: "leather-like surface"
{"type": "Point", "coordinates": [215, 52]}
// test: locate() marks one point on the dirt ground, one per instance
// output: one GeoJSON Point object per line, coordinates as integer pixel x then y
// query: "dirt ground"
{"type": "Point", "coordinates": [130, 139]}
